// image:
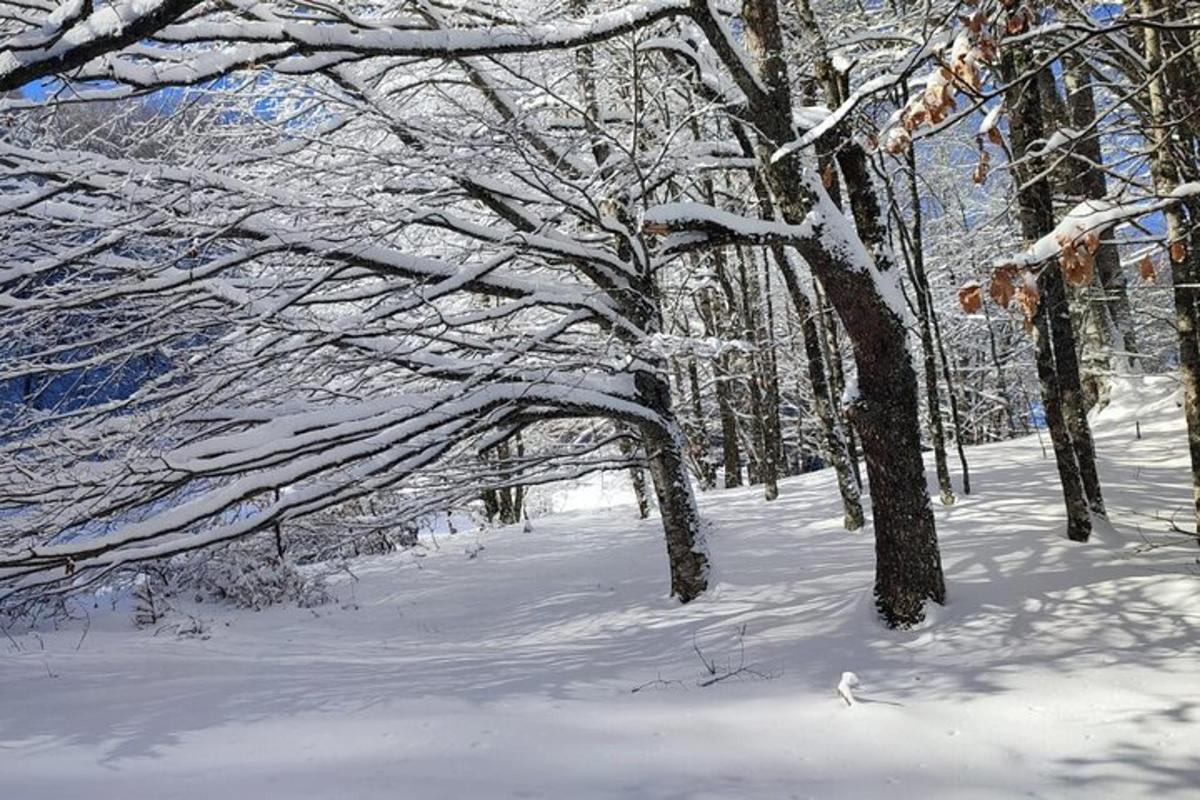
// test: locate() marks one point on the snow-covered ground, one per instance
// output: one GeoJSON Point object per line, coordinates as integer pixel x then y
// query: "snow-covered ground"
{"type": "Point", "coordinates": [1056, 670]}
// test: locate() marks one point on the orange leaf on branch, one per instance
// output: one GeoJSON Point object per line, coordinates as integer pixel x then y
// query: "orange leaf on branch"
{"type": "Point", "coordinates": [1028, 297]}
{"type": "Point", "coordinates": [1002, 287]}
{"type": "Point", "coordinates": [1146, 269]}
{"type": "Point", "coordinates": [970, 297]}
{"type": "Point", "coordinates": [1079, 269]}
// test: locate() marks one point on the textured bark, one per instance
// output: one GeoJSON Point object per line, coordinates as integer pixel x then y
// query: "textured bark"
{"type": "Point", "coordinates": [1175, 160]}
{"type": "Point", "coordinates": [831, 348]}
{"type": "Point", "coordinates": [1079, 522]}
{"type": "Point", "coordinates": [833, 442]}
{"type": "Point", "coordinates": [637, 476]}
{"type": "Point", "coordinates": [731, 454]}
{"type": "Point", "coordinates": [769, 368]}
{"type": "Point", "coordinates": [699, 438]}
{"type": "Point", "coordinates": [915, 259]}
{"type": "Point", "coordinates": [663, 442]}
{"type": "Point", "coordinates": [504, 503]}
{"type": "Point", "coordinates": [686, 551]}
{"type": "Point", "coordinates": [766, 440]}
{"type": "Point", "coordinates": [1055, 346]}
{"type": "Point", "coordinates": [731, 458]}
{"type": "Point", "coordinates": [908, 565]}
{"type": "Point", "coordinates": [1113, 303]}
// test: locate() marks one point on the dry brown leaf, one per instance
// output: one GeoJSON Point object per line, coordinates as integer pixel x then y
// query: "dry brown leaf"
{"type": "Point", "coordinates": [1028, 297]}
{"type": "Point", "coordinates": [970, 297]}
{"type": "Point", "coordinates": [1079, 270]}
{"type": "Point", "coordinates": [980, 174]}
{"type": "Point", "coordinates": [915, 117]}
{"type": "Point", "coordinates": [988, 49]}
{"type": "Point", "coordinates": [1179, 251]}
{"type": "Point", "coordinates": [1146, 269]}
{"type": "Point", "coordinates": [898, 141]}
{"type": "Point", "coordinates": [1001, 288]}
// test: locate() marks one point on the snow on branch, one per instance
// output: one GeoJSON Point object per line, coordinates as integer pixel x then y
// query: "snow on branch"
{"type": "Point", "coordinates": [1092, 218]}
{"type": "Point", "coordinates": [228, 43]}
{"type": "Point", "coordinates": [68, 40]}
{"type": "Point", "coordinates": [697, 225]}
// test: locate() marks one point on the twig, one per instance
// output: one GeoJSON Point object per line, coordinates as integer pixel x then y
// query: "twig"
{"type": "Point", "coordinates": [87, 626]}
{"type": "Point", "coordinates": [659, 681]}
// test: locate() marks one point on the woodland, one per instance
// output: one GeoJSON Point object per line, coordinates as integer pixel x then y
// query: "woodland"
{"type": "Point", "coordinates": [291, 286]}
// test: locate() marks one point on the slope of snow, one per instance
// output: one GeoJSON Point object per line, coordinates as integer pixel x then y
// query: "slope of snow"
{"type": "Point", "coordinates": [1056, 670]}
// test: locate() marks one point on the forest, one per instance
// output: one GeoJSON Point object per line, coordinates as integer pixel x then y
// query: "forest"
{"type": "Point", "coordinates": [754, 393]}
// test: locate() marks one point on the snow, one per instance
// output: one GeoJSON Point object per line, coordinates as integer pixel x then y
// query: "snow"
{"type": "Point", "coordinates": [689, 215]}
{"type": "Point", "coordinates": [991, 119]}
{"type": "Point", "coordinates": [1096, 216]}
{"type": "Point", "coordinates": [1056, 670]}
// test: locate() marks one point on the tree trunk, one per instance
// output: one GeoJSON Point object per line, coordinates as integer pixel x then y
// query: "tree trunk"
{"type": "Point", "coordinates": [686, 547]}
{"type": "Point", "coordinates": [1113, 309]}
{"type": "Point", "coordinates": [1058, 368]}
{"type": "Point", "coordinates": [637, 477]}
{"type": "Point", "coordinates": [832, 351]}
{"type": "Point", "coordinates": [915, 260]}
{"type": "Point", "coordinates": [834, 443]}
{"type": "Point", "coordinates": [1171, 148]}
{"type": "Point", "coordinates": [1079, 522]}
{"type": "Point", "coordinates": [908, 568]}
{"type": "Point", "coordinates": [767, 471]}
{"type": "Point", "coordinates": [707, 469]}
{"type": "Point", "coordinates": [715, 322]}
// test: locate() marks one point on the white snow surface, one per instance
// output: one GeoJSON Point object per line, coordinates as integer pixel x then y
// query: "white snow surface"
{"type": "Point", "coordinates": [1056, 670]}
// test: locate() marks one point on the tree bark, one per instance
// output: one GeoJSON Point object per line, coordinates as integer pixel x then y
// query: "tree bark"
{"type": "Point", "coordinates": [908, 564]}
{"type": "Point", "coordinates": [1171, 146]}
{"type": "Point", "coordinates": [915, 260]}
{"type": "Point", "coordinates": [637, 477]}
{"type": "Point", "coordinates": [1055, 345]}
{"type": "Point", "coordinates": [704, 463]}
{"type": "Point", "coordinates": [833, 441]}
{"type": "Point", "coordinates": [686, 547]}
{"type": "Point", "coordinates": [1113, 308]}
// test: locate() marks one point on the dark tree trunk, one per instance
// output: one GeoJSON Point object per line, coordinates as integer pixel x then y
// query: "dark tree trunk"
{"type": "Point", "coordinates": [1175, 86]}
{"type": "Point", "coordinates": [770, 372]}
{"type": "Point", "coordinates": [915, 260]}
{"type": "Point", "coordinates": [710, 314]}
{"type": "Point", "coordinates": [1079, 522]}
{"type": "Point", "coordinates": [1058, 366]}
{"type": "Point", "coordinates": [686, 548]}
{"type": "Point", "coordinates": [832, 349]}
{"type": "Point", "coordinates": [908, 564]}
{"type": "Point", "coordinates": [637, 477]}
{"type": "Point", "coordinates": [766, 469]}
{"type": "Point", "coordinates": [1114, 307]}
{"type": "Point", "coordinates": [731, 457]}
{"type": "Point", "coordinates": [704, 462]}
{"type": "Point", "coordinates": [834, 443]}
